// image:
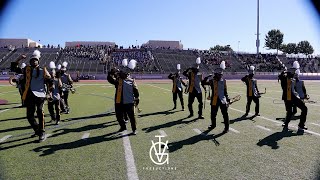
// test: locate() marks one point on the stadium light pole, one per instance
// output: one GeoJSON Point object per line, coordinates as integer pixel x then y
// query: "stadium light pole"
{"type": "Point", "coordinates": [258, 40]}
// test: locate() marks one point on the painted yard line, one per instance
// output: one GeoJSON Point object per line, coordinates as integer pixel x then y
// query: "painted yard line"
{"type": "Point", "coordinates": [261, 127]}
{"type": "Point", "coordinates": [85, 136]}
{"type": "Point", "coordinates": [48, 135]}
{"type": "Point", "coordinates": [5, 138]}
{"type": "Point", "coordinates": [9, 92]}
{"type": "Point", "coordinates": [262, 117]}
{"type": "Point", "coordinates": [162, 133]}
{"type": "Point", "coordinates": [233, 130]}
{"type": "Point", "coordinates": [198, 131]}
{"type": "Point", "coordinates": [315, 124]}
{"type": "Point", "coordinates": [4, 110]}
{"type": "Point", "coordinates": [9, 108]}
{"type": "Point", "coordinates": [131, 167]}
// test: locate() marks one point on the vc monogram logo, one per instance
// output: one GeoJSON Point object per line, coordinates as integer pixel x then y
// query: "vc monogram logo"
{"type": "Point", "coordinates": [158, 155]}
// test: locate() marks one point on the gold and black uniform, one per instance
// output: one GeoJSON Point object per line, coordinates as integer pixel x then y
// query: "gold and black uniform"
{"type": "Point", "coordinates": [194, 89]}
{"type": "Point", "coordinates": [177, 89]}
{"type": "Point", "coordinates": [125, 96]}
{"type": "Point", "coordinates": [219, 98]}
{"type": "Point", "coordinates": [252, 93]}
{"type": "Point", "coordinates": [291, 97]}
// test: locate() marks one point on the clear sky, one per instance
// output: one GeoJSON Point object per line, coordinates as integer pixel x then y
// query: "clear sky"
{"type": "Point", "coordinates": [198, 24]}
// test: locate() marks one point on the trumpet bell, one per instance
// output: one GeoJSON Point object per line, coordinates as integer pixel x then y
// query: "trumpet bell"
{"type": "Point", "coordinates": [13, 80]}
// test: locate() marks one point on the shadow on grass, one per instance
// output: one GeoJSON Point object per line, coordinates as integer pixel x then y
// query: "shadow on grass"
{"type": "Point", "coordinates": [243, 118]}
{"type": "Point", "coordinates": [59, 132]}
{"type": "Point", "coordinates": [174, 146]}
{"type": "Point", "coordinates": [272, 140]}
{"type": "Point", "coordinates": [21, 118]}
{"type": "Point", "coordinates": [167, 112]}
{"type": "Point", "coordinates": [51, 149]}
{"type": "Point", "coordinates": [169, 124]}
{"type": "Point", "coordinates": [9, 104]}
{"type": "Point", "coordinates": [292, 118]}
{"type": "Point", "coordinates": [63, 131]}
{"type": "Point", "coordinates": [15, 107]}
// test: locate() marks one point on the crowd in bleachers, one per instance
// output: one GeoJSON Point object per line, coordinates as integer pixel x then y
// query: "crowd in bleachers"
{"type": "Point", "coordinates": [263, 63]}
{"type": "Point", "coordinates": [143, 57]}
{"type": "Point", "coordinates": [213, 58]}
{"type": "Point", "coordinates": [88, 52]}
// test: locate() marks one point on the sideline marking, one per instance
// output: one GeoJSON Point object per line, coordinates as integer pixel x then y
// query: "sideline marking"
{"type": "Point", "coordinates": [162, 133]}
{"type": "Point", "coordinates": [85, 136]}
{"type": "Point", "coordinates": [5, 138]}
{"type": "Point", "coordinates": [264, 128]}
{"type": "Point", "coordinates": [233, 130]}
{"type": "Point", "coordinates": [131, 167]}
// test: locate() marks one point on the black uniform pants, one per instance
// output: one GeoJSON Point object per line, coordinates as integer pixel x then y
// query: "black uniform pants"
{"type": "Point", "coordinates": [255, 100]}
{"type": "Point", "coordinates": [193, 95]}
{"type": "Point", "coordinates": [129, 110]}
{"type": "Point", "coordinates": [224, 111]}
{"type": "Point", "coordinates": [175, 97]}
{"type": "Point", "coordinates": [300, 104]}
{"type": "Point", "coordinates": [33, 104]}
{"type": "Point", "coordinates": [65, 97]}
{"type": "Point", "coordinates": [54, 109]}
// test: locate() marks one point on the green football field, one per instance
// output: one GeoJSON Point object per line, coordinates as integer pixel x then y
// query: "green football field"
{"type": "Point", "coordinates": [86, 144]}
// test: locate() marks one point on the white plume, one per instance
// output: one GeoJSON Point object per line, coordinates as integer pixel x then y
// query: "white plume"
{"type": "Point", "coordinates": [223, 65]}
{"type": "Point", "coordinates": [36, 53]}
{"type": "Point", "coordinates": [132, 64]}
{"type": "Point", "coordinates": [64, 64]}
{"type": "Point", "coordinates": [198, 61]}
{"type": "Point", "coordinates": [23, 65]}
{"type": "Point", "coordinates": [178, 67]}
{"type": "Point", "coordinates": [59, 66]}
{"type": "Point", "coordinates": [296, 65]}
{"type": "Point", "coordinates": [252, 68]}
{"type": "Point", "coordinates": [52, 65]}
{"type": "Point", "coordinates": [125, 62]}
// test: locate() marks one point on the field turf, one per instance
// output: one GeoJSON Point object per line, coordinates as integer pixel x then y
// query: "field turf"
{"type": "Point", "coordinates": [86, 144]}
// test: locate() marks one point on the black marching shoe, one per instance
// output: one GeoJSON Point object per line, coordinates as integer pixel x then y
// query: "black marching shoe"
{"type": "Point", "coordinates": [42, 137]}
{"type": "Point", "coordinates": [257, 114]}
{"type": "Point", "coordinates": [35, 134]}
{"type": "Point", "coordinates": [302, 128]}
{"type": "Point", "coordinates": [122, 129]}
{"type": "Point", "coordinates": [225, 130]}
{"type": "Point", "coordinates": [200, 117]}
{"type": "Point", "coordinates": [285, 127]}
{"type": "Point", "coordinates": [211, 127]}
{"type": "Point", "coordinates": [135, 132]}
{"type": "Point", "coordinates": [182, 109]}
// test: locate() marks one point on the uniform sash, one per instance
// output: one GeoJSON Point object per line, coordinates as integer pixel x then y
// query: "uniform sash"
{"type": "Point", "coordinates": [119, 91]}
{"type": "Point", "coordinates": [215, 93]}
{"type": "Point", "coordinates": [191, 83]}
{"type": "Point", "coordinates": [289, 89]}
{"type": "Point", "coordinates": [28, 80]}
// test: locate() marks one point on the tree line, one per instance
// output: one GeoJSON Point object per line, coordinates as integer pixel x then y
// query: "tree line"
{"type": "Point", "coordinates": [274, 40]}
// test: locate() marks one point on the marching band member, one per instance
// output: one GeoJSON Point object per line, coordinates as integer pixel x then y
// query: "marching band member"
{"type": "Point", "coordinates": [66, 81]}
{"type": "Point", "coordinates": [291, 97]}
{"type": "Point", "coordinates": [54, 103]}
{"type": "Point", "coordinates": [252, 91]}
{"type": "Point", "coordinates": [19, 82]}
{"type": "Point", "coordinates": [194, 88]}
{"type": "Point", "coordinates": [301, 89]}
{"type": "Point", "coordinates": [177, 89]}
{"type": "Point", "coordinates": [126, 95]}
{"type": "Point", "coordinates": [219, 97]}
{"type": "Point", "coordinates": [34, 94]}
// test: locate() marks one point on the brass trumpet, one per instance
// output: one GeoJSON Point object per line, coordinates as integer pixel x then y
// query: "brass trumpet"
{"type": "Point", "coordinates": [14, 80]}
{"type": "Point", "coordinates": [66, 87]}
